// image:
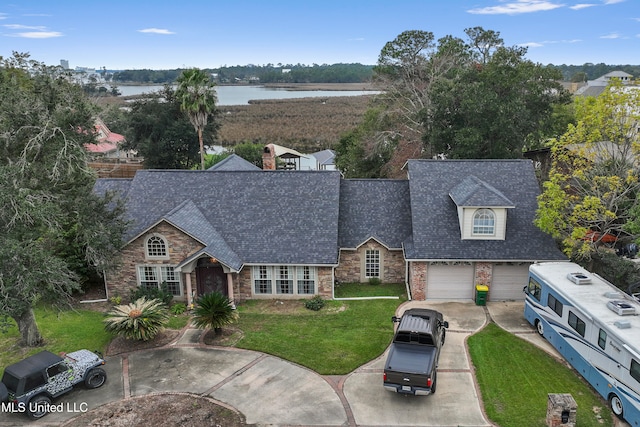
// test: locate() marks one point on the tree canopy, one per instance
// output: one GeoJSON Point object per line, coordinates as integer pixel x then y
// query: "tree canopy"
{"type": "Point", "coordinates": [591, 197]}
{"type": "Point", "coordinates": [50, 220]}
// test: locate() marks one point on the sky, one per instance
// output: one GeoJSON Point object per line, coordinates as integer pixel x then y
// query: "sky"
{"type": "Point", "coordinates": [163, 34]}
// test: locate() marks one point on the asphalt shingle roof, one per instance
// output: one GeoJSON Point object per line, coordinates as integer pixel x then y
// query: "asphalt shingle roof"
{"type": "Point", "coordinates": [377, 208]}
{"type": "Point", "coordinates": [473, 191]}
{"type": "Point", "coordinates": [263, 217]}
{"type": "Point", "coordinates": [234, 163]}
{"type": "Point", "coordinates": [436, 230]}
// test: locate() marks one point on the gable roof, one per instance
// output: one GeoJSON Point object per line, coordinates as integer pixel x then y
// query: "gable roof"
{"type": "Point", "coordinates": [234, 163]}
{"type": "Point", "coordinates": [435, 226]}
{"type": "Point", "coordinates": [473, 191]}
{"type": "Point", "coordinates": [280, 217]}
{"type": "Point", "coordinates": [374, 208]}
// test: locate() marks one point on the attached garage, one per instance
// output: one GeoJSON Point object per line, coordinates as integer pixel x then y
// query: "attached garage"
{"type": "Point", "coordinates": [508, 281]}
{"type": "Point", "coordinates": [450, 281]}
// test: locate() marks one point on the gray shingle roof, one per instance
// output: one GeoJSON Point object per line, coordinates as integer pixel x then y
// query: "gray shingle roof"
{"type": "Point", "coordinates": [472, 191]}
{"type": "Point", "coordinates": [376, 208]}
{"type": "Point", "coordinates": [436, 230]}
{"type": "Point", "coordinates": [234, 163]}
{"type": "Point", "coordinates": [263, 217]}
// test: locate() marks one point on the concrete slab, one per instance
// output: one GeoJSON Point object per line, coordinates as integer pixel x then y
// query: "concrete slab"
{"type": "Point", "coordinates": [455, 402]}
{"type": "Point", "coordinates": [276, 392]}
{"type": "Point", "coordinates": [193, 370]}
{"type": "Point", "coordinates": [462, 316]}
{"type": "Point", "coordinates": [453, 354]}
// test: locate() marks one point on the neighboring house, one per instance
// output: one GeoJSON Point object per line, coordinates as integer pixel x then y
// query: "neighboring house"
{"type": "Point", "coordinates": [325, 160]}
{"type": "Point", "coordinates": [107, 143]}
{"type": "Point", "coordinates": [294, 234]}
{"type": "Point", "coordinates": [234, 163]}
{"type": "Point", "coordinates": [597, 86]}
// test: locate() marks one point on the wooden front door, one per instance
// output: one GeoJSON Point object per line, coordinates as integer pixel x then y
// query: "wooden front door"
{"type": "Point", "coordinates": [211, 278]}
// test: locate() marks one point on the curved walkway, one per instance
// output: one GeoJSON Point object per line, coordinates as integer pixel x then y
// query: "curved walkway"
{"type": "Point", "coordinates": [271, 391]}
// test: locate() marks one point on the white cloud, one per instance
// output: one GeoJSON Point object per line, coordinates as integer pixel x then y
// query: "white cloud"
{"type": "Point", "coordinates": [531, 44]}
{"type": "Point", "coordinates": [582, 6]}
{"type": "Point", "coordinates": [613, 1]}
{"type": "Point", "coordinates": [516, 7]}
{"type": "Point", "coordinates": [156, 31]}
{"type": "Point", "coordinates": [24, 27]}
{"type": "Point", "coordinates": [38, 34]}
{"type": "Point", "coordinates": [3, 16]}
{"type": "Point", "coordinates": [611, 36]}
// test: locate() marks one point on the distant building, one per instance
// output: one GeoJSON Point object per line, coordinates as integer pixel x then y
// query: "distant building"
{"type": "Point", "coordinates": [64, 63]}
{"type": "Point", "coordinates": [597, 86]}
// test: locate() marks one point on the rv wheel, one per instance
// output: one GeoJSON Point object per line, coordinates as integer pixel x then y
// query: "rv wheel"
{"type": "Point", "coordinates": [616, 405]}
{"type": "Point", "coordinates": [539, 327]}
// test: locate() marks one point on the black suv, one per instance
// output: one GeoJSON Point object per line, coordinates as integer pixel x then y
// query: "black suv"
{"type": "Point", "coordinates": [30, 385]}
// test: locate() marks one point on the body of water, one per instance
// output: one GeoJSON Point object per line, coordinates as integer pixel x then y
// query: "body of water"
{"type": "Point", "coordinates": [241, 95]}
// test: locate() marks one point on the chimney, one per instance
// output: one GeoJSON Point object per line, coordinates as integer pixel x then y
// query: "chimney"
{"type": "Point", "coordinates": [269, 158]}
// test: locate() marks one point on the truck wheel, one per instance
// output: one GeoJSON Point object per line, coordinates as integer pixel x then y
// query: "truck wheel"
{"type": "Point", "coordinates": [95, 378]}
{"type": "Point", "coordinates": [616, 406]}
{"type": "Point", "coordinates": [38, 407]}
{"type": "Point", "coordinates": [433, 384]}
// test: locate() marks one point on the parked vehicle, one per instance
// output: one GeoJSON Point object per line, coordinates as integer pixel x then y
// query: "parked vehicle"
{"type": "Point", "coordinates": [30, 385]}
{"type": "Point", "coordinates": [411, 366]}
{"type": "Point", "coordinates": [594, 325]}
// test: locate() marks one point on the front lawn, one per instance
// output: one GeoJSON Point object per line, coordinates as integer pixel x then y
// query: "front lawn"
{"type": "Point", "coordinates": [63, 331]}
{"type": "Point", "coordinates": [515, 377]}
{"type": "Point", "coordinates": [333, 341]}
{"type": "Point", "coordinates": [359, 290]}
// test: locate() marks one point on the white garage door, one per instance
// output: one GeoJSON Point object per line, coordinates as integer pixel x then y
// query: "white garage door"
{"type": "Point", "coordinates": [508, 281]}
{"type": "Point", "coordinates": [450, 281]}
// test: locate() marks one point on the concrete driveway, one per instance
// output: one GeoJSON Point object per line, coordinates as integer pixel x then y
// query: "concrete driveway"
{"type": "Point", "coordinates": [271, 391]}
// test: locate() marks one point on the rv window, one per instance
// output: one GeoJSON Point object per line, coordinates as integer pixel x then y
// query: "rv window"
{"type": "Point", "coordinates": [576, 323]}
{"type": "Point", "coordinates": [635, 370]}
{"type": "Point", "coordinates": [534, 289]}
{"type": "Point", "coordinates": [555, 305]}
{"type": "Point", "coordinates": [602, 339]}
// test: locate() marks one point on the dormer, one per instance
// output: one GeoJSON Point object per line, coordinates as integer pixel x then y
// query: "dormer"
{"type": "Point", "coordinates": [482, 210]}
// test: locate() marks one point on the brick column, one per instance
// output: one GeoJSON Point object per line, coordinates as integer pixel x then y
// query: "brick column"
{"type": "Point", "coordinates": [418, 280]}
{"type": "Point", "coordinates": [559, 406]}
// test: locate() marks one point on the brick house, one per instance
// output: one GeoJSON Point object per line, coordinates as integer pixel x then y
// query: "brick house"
{"type": "Point", "coordinates": [251, 234]}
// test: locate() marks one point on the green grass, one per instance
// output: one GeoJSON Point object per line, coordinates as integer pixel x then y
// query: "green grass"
{"type": "Point", "coordinates": [335, 340]}
{"type": "Point", "coordinates": [353, 290]}
{"type": "Point", "coordinates": [63, 331]}
{"type": "Point", "coordinates": [515, 377]}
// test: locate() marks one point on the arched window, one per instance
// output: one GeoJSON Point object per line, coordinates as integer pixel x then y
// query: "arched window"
{"type": "Point", "coordinates": [484, 222]}
{"type": "Point", "coordinates": [156, 247]}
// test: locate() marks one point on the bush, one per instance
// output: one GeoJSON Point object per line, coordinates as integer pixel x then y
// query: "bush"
{"type": "Point", "coordinates": [316, 303]}
{"type": "Point", "coordinates": [140, 320]}
{"type": "Point", "coordinates": [178, 308]}
{"type": "Point", "coordinates": [213, 310]}
{"type": "Point", "coordinates": [374, 281]}
{"type": "Point", "coordinates": [161, 294]}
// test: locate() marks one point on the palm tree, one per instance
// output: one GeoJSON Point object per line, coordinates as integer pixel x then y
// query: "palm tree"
{"type": "Point", "coordinates": [197, 98]}
{"type": "Point", "coordinates": [214, 310]}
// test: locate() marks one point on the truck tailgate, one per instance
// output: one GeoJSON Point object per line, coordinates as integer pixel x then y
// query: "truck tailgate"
{"type": "Point", "coordinates": [410, 358]}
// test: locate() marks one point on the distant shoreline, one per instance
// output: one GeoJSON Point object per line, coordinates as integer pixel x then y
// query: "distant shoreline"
{"type": "Point", "coordinates": [289, 86]}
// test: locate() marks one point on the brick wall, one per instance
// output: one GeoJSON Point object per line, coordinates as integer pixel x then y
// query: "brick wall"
{"type": "Point", "coordinates": [351, 264]}
{"type": "Point", "coordinates": [244, 284]}
{"type": "Point", "coordinates": [180, 246]}
{"type": "Point", "coordinates": [483, 273]}
{"type": "Point", "coordinates": [418, 280]}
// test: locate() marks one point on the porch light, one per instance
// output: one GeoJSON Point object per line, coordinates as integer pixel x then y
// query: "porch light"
{"type": "Point", "coordinates": [213, 260]}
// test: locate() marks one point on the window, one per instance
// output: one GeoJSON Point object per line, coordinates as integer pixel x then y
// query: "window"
{"type": "Point", "coordinates": [635, 370]}
{"type": "Point", "coordinates": [284, 283]}
{"type": "Point", "coordinates": [372, 263]}
{"type": "Point", "coordinates": [153, 276]}
{"type": "Point", "coordinates": [555, 305]}
{"type": "Point", "coordinates": [534, 289]}
{"type": "Point", "coordinates": [602, 339]}
{"type": "Point", "coordinates": [284, 280]}
{"type": "Point", "coordinates": [576, 323]}
{"type": "Point", "coordinates": [156, 247]}
{"type": "Point", "coordinates": [306, 280]}
{"type": "Point", "coordinates": [484, 222]}
{"type": "Point", "coordinates": [262, 280]}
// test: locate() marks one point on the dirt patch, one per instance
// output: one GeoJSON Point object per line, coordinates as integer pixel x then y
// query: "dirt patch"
{"type": "Point", "coordinates": [121, 345]}
{"type": "Point", "coordinates": [226, 337]}
{"type": "Point", "coordinates": [183, 410]}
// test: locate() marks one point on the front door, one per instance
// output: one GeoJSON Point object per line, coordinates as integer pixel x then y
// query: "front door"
{"type": "Point", "coordinates": [211, 278]}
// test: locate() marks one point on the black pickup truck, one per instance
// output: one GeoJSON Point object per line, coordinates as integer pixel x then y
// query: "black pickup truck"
{"type": "Point", "coordinates": [413, 356]}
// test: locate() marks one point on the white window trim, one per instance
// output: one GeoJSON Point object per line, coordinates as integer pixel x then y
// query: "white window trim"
{"type": "Point", "coordinates": [366, 262]}
{"type": "Point", "coordinates": [295, 275]}
{"type": "Point", "coordinates": [159, 275]}
{"type": "Point", "coordinates": [156, 257]}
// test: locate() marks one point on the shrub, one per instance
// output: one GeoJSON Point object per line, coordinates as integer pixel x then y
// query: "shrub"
{"type": "Point", "coordinates": [161, 294]}
{"type": "Point", "coordinates": [178, 308]}
{"type": "Point", "coordinates": [316, 303]}
{"type": "Point", "coordinates": [140, 320]}
{"type": "Point", "coordinates": [213, 310]}
{"type": "Point", "coordinates": [374, 281]}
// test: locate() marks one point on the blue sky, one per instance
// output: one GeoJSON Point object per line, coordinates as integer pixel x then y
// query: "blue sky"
{"type": "Point", "coordinates": [161, 34]}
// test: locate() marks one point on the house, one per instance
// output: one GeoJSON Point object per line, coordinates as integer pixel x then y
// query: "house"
{"type": "Point", "coordinates": [597, 86]}
{"type": "Point", "coordinates": [254, 234]}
